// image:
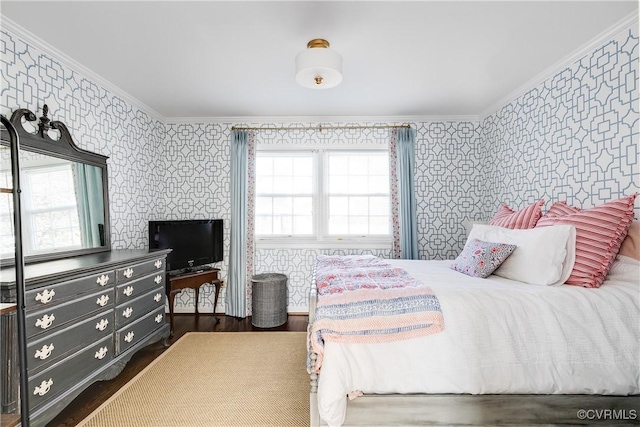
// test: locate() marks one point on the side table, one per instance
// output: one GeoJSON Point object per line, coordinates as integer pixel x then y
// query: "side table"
{"type": "Point", "coordinates": [193, 281]}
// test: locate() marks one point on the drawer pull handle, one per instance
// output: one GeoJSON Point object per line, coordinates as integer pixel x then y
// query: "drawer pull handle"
{"type": "Point", "coordinates": [128, 273]}
{"type": "Point", "coordinates": [46, 296]}
{"type": "Point", "coordinates": [157, 297]}
{"type": "Point", "coordinates": [129, 337]}
{"type": "Point", "coordinates": [128, 291]}
{"type": "Point", "coordinates": [103, 300]}
{"type": "Point", "coordinates": [100, 354]}
{"type": "Point", "coordinates": [102, 280]}
{"type": "Point", "coordinates": [127, 312]}
{"type": "Point", "coordinates": [158, 264]}
{"type": "Point", "coordinates": [43, 388]}
{"type": "Point", "coordinates": [102, 324]}
{"type": "Point", "coordinates": [158, 279]}
{"type": "Point", "coordinates": [46, 321]}
{"type": "Point", "coordinates": [159, 318]}
{"type": "Point", "coordinates": [44, 352]}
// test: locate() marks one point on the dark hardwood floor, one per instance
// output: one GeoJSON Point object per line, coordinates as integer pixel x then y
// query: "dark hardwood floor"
{"type": "Point", "coordinates": [97, 393]}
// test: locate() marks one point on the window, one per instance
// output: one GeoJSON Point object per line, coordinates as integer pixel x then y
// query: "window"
{"type": "Point", "coordinates": [7, 241]}
{"type": "Point", "coordinates": [285, 193]}
{"type": "Point", "coordinates": [322, 195]}
{"type": "Point", "coordinates": [50, 212]}
{"type": "Point", "coordinates": [358, 193]}
{"type": "Point", "coordinates": [50, 209]}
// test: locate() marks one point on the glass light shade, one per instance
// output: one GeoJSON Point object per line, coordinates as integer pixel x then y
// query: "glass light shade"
{"type": "Point", "coordinates": [318, 68]}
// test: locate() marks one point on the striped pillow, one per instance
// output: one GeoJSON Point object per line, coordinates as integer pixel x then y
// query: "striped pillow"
{"type": "Point", "coordinates": [599, 234]}
{"type": "Point", "coordinates": [560, 209]}
{"type": "Point", "coordinates": [631, 244]}
{"type": "Point", "coordinates": [524, 218]}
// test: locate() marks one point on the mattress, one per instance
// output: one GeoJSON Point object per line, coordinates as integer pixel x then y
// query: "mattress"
{"type": "Point", "coordinates": [500, 337]}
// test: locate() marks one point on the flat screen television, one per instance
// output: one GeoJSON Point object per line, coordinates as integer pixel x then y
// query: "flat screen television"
{"type": "Point", "coordinates": [195, 242]}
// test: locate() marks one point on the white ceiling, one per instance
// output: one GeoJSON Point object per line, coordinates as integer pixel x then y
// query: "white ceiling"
{"type": "Point", "coordinates": [236, 58]}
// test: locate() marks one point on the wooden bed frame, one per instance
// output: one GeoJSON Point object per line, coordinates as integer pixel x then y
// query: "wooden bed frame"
{"type": "Point", "coordinates": [467, 409]}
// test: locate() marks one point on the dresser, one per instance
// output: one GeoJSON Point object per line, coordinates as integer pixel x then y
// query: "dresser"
{"type": "Point", "coordinates": [85, 317]}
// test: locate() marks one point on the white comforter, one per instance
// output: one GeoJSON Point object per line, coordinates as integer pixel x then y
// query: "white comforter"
{"type": "Point", "coordinates": [500, 336]}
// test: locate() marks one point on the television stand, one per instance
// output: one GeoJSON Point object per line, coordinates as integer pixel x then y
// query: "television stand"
{"type": "Point", "coordinates": [199, 269]}
{"type": "Point", "coordinates": [189, 270]}
{"type": "Point", "coordinates": [192, 280]}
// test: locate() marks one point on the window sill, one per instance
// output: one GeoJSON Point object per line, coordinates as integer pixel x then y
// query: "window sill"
{"type": "Point", "coordinates": [352, 243]}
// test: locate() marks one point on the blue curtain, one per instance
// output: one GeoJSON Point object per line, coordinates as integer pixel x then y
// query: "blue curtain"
{"type": "Point", "coordinates": [236, 300]}
{"type": "Point", "coordinates": [405, 149]}
{"type": "Point", "coordinates": [88, 180]}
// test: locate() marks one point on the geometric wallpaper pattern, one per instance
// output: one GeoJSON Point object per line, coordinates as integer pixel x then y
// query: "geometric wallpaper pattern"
{"type": "Point", "coordinates": [449, 184]}
{"type": "Point", "coordinates": [197, 174]}
{"type": "Point", "coordinates": [195, 163]}
{"type": "Point", "coordinates": [98, 121]}
{"type": "Point", "coordinates": [573, 137]}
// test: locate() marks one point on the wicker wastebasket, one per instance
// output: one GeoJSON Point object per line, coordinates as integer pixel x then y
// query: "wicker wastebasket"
{"type": "Point", "coordinates": [269, 300]}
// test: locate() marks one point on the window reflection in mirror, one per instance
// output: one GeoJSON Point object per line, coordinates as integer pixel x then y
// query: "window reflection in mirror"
{"type": "Point", "coordinates": [62, 205]}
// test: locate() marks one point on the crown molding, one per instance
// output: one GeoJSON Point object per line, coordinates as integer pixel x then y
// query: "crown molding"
{"type": "Point", "coordinates": [31, 39]}
{"type": "Point", "coordinates": [622, 25]}
{"type": "Point", "coordinates": [320, 119]}
{"type": "Point", "coordinates": [12, 27]}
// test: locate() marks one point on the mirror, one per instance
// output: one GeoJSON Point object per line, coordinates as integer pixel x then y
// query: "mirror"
{"type": "Point", "coordinates": [64, 198]}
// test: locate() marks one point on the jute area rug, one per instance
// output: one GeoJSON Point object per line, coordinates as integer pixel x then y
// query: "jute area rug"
{"type": "Point", "coordinates": [216, 379]}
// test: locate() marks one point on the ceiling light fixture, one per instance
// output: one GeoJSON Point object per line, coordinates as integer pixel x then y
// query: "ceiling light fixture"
{"type": "Point", "coordinates": [318, 67]}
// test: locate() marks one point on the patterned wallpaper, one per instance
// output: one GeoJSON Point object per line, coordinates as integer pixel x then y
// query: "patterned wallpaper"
{"type": "Point", "coordinates": [449, 185]}
{"type": "Point", "coordinates": [445, 180]}
{"type": "Point", "coordinates": [194, 163]}
{"type": "Point", "coordinates": [573, 137]}
{"type": "Point", "coordinates": [99, 121]}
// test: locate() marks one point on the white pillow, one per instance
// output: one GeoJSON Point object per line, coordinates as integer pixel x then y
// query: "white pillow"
{"type": "Point", "coordinates": [624, 269]}
{"type": "Point", "coordinates": [544, 255]}
{"type": "Point", "coordinates": [468, 225]}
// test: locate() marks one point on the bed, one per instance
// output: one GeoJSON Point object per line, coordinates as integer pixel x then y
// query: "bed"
{"type": "Point", "coordinates": [544, 352]}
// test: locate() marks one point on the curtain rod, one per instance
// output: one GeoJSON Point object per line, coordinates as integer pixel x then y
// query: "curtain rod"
{"type": "Point", "coordinates": [321, 127]}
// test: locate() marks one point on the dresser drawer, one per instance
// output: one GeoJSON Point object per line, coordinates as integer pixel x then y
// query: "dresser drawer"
{"type": "Point", "coordinates": [132, 272]}
{"type": "Point", "coordinates": [48, 295]}
{"type": "Point", "coordinates": [134, 332]}
{"type": "Point", "coordinates": [51, 347]}
{"type": "Point", "coordinates": [135, 288]}
{"type": "Point", "coordinates": [58, 315]}
{"type": "Point", "coordinates": [60, 377]}
{"type": "Point", "coordinates": [132, 310]}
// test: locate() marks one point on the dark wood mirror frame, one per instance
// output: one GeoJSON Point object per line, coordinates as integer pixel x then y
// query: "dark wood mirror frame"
{"type": "Point", "coordinates": [64, 148]}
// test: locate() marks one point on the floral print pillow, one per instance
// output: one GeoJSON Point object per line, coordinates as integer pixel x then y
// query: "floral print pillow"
{"type": "Point", "coordinates": [480, 259]}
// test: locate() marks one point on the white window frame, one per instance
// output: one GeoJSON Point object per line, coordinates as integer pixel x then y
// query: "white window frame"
{"type": "Point", "coordinates": [322, 240]}
{"type": "Point", "coordinates": [314, 194]}
{"type": "Point", "coordinates": [7, 214]}
{"type": "Point", "coordinates": [29, 211]}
